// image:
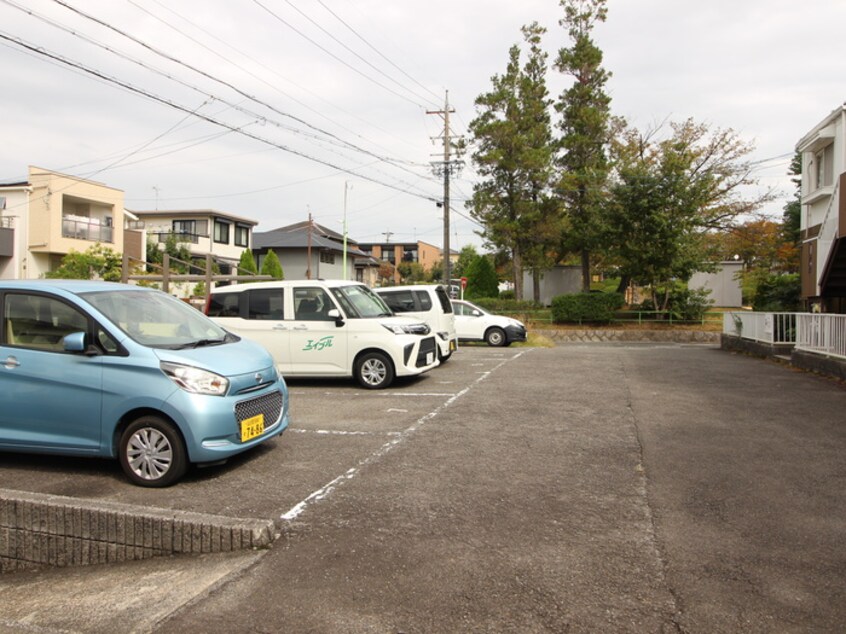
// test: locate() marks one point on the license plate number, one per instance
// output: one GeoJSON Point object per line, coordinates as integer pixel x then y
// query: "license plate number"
{"type": "Point", "coordinates": [252, 427]}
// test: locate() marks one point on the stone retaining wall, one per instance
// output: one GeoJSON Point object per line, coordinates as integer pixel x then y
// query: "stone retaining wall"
{"type": "Point", "coordinates": [50, 530]}
{"type": "Point", "coordinates": [593, 335]}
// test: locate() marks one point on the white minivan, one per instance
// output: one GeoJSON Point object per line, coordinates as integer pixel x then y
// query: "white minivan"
{"type": "Point", "coordinates": [429, 303]}
{"type": "Point", "coordinates": [326, 328]}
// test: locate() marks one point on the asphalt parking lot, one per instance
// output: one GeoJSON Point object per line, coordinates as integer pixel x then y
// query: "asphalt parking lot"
{"type": "Point", "coordinates": [629, 488]}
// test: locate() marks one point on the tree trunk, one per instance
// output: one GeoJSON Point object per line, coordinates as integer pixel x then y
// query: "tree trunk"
{"type": "Point", "coordinates": [517, 265]}
{"type": "Point", "coordinates": [536, 285]}
{"type": "Point", "coordinates": [585, 271]}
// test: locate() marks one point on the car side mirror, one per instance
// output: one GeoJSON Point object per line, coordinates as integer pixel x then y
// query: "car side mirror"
{"type": "Point", "coordinates": [335, 314]}
{"type": "Point", "coordinates": [78, 342]}
{"type": "Point", "coordinates": [477, 313]}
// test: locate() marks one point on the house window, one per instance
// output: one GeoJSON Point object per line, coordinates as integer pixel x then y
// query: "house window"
{"type": "Point", "coordinates": [409, 254]}
{"type": "Point", "coordinates": [221, 232]}
{"type": "Point", "coordinates": [824, 167]}
{"type": "Point", "coordinates": [388, 255]}
{"type": "Point", "coordinates": [242, 236]}
{"type": "Point", "coordinates": [185, 229]}
{"type": "Point", "coordinates": [327, 257]}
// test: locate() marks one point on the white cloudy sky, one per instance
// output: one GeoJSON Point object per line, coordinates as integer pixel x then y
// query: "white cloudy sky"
{"type": "Point", "coordinates": [366, 72]}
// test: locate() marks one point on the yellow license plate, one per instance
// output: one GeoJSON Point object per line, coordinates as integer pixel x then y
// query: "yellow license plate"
{"type": "Point", "coordinates": [252, 427]}
{"type": "Point", "coordinates": [452, 345]}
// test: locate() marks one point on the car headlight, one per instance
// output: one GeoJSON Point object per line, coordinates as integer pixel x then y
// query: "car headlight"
{"type": "Point", "coordinates": [195, 380]}
{"type": "Point", "coordinates": [408, 329]}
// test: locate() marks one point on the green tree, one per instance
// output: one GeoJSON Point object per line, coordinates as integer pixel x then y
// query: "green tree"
{"type": "Point", "coordinates": [247, 264]}
{"type": "Point", "coordinates": [178, 252]}
{"type": "Point", "coordinates": [411, 272]}
{"type": "Point", "coordinates": [436, 271]}
{"type": "Point", "coordinates": [97, 262]}
{"type": "Point", "coordinates": [668, 194]}
{"type": "Point", "coordinates": [481, 278]}
{"type": "Point", "coordinates": [513, 153]}
{"type": "Point", "coordinates": [465, 257]}
{"type": "Point", "coordinates": [585, 116]}
{"type": "Point", "coordinates": [272, 266]}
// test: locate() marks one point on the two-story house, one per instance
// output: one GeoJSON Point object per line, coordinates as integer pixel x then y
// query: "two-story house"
{"type": "Point", "coordinates": [47, 216]}
{"type": "Point", "coordinates": [204, 231]}
{"type": "Point", "coordinates": [823, 219]}
{"type": "Point", "coordinates": [308, 250]}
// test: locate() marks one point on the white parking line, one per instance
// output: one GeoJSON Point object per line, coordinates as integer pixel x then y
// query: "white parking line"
{"type": "Point", "coordinates": [327, 489]}
{"type": "Point", "coordinates": [338, 432]}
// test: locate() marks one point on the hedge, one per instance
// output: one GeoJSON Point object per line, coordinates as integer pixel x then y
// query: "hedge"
{"type": "Point", "coordinates": [596, 308]}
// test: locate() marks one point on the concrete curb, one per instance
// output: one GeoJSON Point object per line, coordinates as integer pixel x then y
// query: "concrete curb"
{"type": "Point", "coordinates": [49, 530]}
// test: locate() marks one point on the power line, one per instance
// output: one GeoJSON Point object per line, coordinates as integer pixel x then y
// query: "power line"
{"type": "Point", "coordinates": [164, 101]}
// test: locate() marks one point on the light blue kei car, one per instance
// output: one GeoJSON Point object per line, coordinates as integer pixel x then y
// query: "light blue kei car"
{"type": "Point", "coordinates": [113, 370]}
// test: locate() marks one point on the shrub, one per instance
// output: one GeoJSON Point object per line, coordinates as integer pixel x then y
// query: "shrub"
{"type": "Point", "coordinates": [778, 293]}
{"type": "Point", "coordinates": [586, 307]}
{"type": "Point", "coordinates": [689, 305]}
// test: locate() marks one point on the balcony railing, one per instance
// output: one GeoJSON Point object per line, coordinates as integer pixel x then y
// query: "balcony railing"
{"type": "Point", "coordinates": [87, 230]}
{"type": "Point", "coordinates": [193, 238]}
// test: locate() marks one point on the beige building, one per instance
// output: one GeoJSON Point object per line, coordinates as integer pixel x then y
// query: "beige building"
{"type": "Point", "coordinates": [395, 253]}
{"type": "Point", "coordinates": [49, 215]}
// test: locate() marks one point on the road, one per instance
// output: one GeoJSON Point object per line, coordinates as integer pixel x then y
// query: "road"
{"type": "Point", "coordinates": [619, 488]}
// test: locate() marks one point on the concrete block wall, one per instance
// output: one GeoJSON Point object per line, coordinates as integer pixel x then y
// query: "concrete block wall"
{"type": "Point", "coordinates": [48, 530]}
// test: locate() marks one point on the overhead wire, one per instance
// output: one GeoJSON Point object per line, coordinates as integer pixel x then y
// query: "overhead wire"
{"type": "Point", "coordinates": [170, 103]}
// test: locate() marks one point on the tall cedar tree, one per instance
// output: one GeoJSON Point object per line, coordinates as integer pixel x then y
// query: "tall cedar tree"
{"type": "Point", "coordinates": [513, 155]}
{"type": "Point", "coordinates": [585, 116]}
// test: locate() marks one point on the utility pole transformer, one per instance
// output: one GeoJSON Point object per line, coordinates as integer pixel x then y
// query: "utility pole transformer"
{"type": "Point", "coordinates": [446, 168]}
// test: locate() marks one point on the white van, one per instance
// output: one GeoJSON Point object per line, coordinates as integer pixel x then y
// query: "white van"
{"type": "Point", "coordinates": [429, 303]}
{"type": "Point", "coordinates": [326, 328]}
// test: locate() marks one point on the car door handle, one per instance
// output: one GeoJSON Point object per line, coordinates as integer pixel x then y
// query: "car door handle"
{"type": "Point", "coordinates": [303, 327]}
{"type": "Point", "coordinates": [280, 327]}
{"type": "Point", "coordinates": [11, 362]}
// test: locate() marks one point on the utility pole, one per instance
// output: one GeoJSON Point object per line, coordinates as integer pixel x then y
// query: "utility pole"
{"type": "Point", "coordinates": [346, 187]}
{"type": "Point", "coordinates": [446, 168]}
{"type": "Point", "coordinates": [308, 266]}
{"type": "Point", "coordinates": [387, 235]}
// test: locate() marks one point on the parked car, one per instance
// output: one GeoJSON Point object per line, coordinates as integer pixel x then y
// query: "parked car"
{"type": "Point", "coordinates": [473, 323]}
{"type": "Point", "coordinates": [119, 371]}
{"type": "Point", "coordinates": [429, 303]}
{"type": "Point", "coordinates": [326, 328]}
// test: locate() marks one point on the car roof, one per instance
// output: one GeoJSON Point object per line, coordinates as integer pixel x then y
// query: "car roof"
{"type": "Point", "coordinates": [409, 287]}
{"type": "Point", "coordinates": [68, 286]}
{"type": "Point", "coordinates": [245, 286]}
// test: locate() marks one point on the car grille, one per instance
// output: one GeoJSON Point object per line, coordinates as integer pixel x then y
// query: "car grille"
{"type": "Point", "coordinates": [427, 346]}
{"type": "Point", "coordinates": [269, 404]}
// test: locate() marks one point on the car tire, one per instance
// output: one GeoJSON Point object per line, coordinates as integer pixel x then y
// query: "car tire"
{"type": "Point", "coordinates": [443, 358]}
{"type": "Point", "coordinates": [495, 337]}
{"type": "Point", "coordinates": [152, 452]}
{"type": "Point", "coordinates": [374, 370]}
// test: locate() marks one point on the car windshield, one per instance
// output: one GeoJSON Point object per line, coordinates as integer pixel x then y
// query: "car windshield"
{"type": "Point", "coordinates": [359, 302]}
{"type": "Point", "coordinates": [156, 319]}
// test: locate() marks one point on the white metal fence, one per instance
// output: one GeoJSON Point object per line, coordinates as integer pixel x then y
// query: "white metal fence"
{"type": "Point", "coordinates": [825, 334]}
{"type": "Point", "coordinates": [813, 332]}
{"type": "Point", "coordinates": [765, 327]}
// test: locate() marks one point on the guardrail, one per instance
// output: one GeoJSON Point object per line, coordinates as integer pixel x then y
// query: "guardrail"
{"type": "Point", "coordinates": [822, 334]}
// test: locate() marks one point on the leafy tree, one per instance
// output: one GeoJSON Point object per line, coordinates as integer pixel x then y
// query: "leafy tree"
{"type": "Point", "coordinates": [411, 272]}
{"type": "Point", "coordinates": [272, 266]}
{"type": "Point", "coordinates": [585, 119]}
{"type": "Point", "coordinates": [386, 273]}
{"type": "Point", "coordinates": [667, 194]}
{"type": "Point", "coordinates": [96, 262]}
{"type": "Point", "coordinates": [467, 255]}
{"type": "Point", "coordinates": [481, 278]}
{"type": "Point", "coordinates": [513, 154]}
{"type": "Point", "coordinates": [178, 252]}
{"type": "Point", "coordinates": [436, 271]}
{"type": "Point", "coordinates": [247, 264]}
